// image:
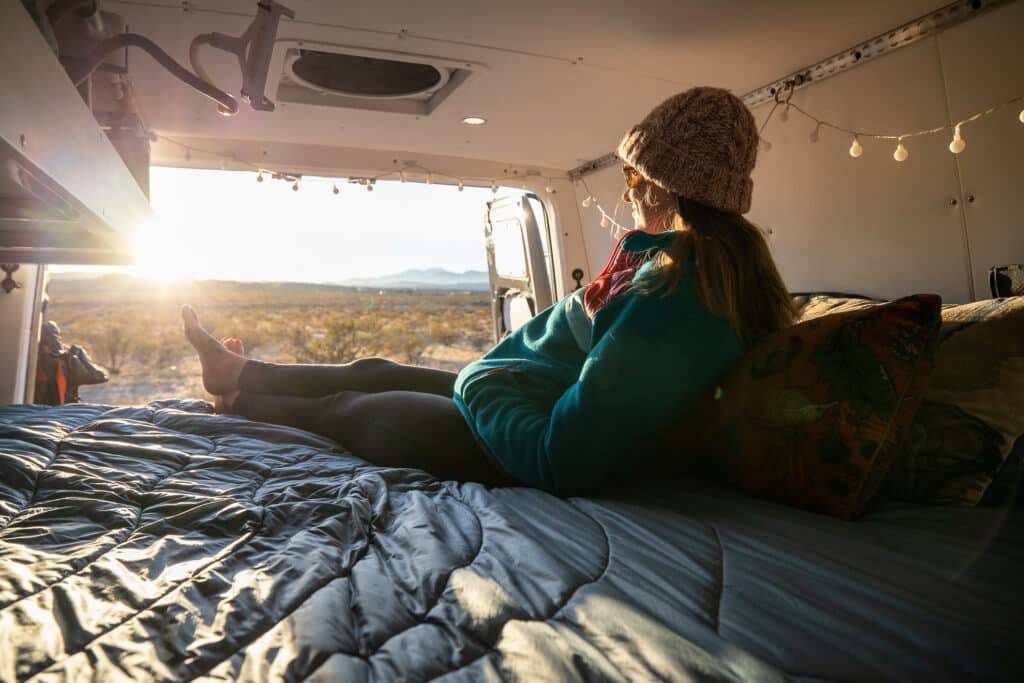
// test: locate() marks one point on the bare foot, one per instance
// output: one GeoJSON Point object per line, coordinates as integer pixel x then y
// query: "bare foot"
{"type": "Point", "coordinates": [221, 367]}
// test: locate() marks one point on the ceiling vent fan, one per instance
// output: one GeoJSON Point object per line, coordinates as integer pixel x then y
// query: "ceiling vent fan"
{"type": "Point", "coordinates": [331, 75]}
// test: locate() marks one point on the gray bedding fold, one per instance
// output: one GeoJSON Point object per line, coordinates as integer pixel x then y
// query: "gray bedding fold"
{"type": "Point", "coordinates": [164, 543]}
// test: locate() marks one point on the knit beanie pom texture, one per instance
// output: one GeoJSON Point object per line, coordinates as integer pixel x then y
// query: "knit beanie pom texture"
{"type": "Point", "coordinates": [700, 144]}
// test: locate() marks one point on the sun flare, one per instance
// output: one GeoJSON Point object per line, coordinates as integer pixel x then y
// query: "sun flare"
{"type": "Point", "coordinates": [159, 256]}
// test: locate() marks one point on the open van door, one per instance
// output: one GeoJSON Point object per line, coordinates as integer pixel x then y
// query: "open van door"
{"type": "Point", "coordinates": [516, 264]}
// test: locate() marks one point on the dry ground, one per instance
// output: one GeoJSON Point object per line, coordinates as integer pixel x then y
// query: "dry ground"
{"type": "Point", "coordinates": [133, 328]}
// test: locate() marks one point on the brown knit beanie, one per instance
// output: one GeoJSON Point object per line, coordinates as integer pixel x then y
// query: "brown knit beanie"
{"type": "Point", "coordinates": [700, 144]}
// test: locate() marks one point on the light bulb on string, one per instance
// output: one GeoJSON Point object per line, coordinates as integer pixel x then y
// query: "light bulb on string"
{"type": "Point", "coordinates": [604, 220]}
{"type": "Point", "coordinates": [856, 149]}
{"type": "Point", "coordinates": [1021, 117]}
{"type": "Point", "coordinates": [295, 187]}
{"type": "Point", "coordinates": [784, 114]}
{"type": "Point", "coordinates": [587, 202]}
{"type": "Point", "coordinates": [462, 186]}
{"type": "Point", "coordinates": [816, 133]}
{"type": "Point", "coordinates": [259, 177]}
{"type": "Point", "coordinates": [369, 186]}
{"type": "Point", "coordinates": [901, 153]}
{"type": "Point", "coordinates": [401, 176]}
{"type": "Point", "coordinates": [549, 189]}
{"type": "Point", "coordinates": [430, 178]}
{"type": "Point", "coordinates": [334, 188]}
{"type": "Point", "coordinates": [958, 144]}
{"type": "Point", "coordinates": [494, 187]}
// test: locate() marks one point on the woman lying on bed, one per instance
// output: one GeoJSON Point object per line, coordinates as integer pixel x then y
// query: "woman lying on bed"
{"type": "Point", "coordinates": [584, 388]}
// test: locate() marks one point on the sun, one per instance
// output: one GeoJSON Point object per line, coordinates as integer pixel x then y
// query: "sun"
{"type": "Point", "coordinates": [159, 255]}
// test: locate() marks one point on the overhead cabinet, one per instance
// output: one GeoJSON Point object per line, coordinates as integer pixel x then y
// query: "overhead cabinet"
{"type": "Point", "coordinates": [66, 196]}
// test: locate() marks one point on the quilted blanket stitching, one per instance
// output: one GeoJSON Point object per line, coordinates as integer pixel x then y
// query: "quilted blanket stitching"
{"type": "Point", "coordinates": [250, 640]}
{"type": "Point", "coordinates": [220, 557]}
{"type": "Point", "coordinates": [241, 542]}
{"type": "Point", "coordinates": [565, 603]}
{"type": "Point", "coordinates": [39, 475]}
{"type": "Point", "coordinates": [56, 453]}
{"type": "Point", "coordinates": [93, 560]}
{"type": "Point", "coordinates": [319, 661]}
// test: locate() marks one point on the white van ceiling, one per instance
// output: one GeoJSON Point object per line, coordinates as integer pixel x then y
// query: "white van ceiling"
{"type": "Point", "coordinates": [558, 82]}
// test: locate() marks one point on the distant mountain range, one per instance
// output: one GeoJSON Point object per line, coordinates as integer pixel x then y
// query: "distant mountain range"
{"type": "Point", "coordinates": [424, 278]}
{"type": "Point", "coordinates": [417, 278]}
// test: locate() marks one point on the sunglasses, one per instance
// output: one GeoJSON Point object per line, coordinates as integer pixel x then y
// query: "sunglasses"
{"type": "Point", "coordinates": [633, 177]}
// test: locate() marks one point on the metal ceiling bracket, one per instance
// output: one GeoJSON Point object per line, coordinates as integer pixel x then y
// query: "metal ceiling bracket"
{"type": "Point", "coordinates": [902, 36]}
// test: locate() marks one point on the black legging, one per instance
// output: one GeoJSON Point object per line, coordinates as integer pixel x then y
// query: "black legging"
{"type": "Point", "coordinates": [389, 414]}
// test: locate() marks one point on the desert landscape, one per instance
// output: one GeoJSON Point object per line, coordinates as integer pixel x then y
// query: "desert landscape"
{"type": "Point", "coordinates": [132, 327]}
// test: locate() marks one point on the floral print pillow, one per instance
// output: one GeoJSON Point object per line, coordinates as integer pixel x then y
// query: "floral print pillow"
{"type": "Point", "coordinates": [813, 416]}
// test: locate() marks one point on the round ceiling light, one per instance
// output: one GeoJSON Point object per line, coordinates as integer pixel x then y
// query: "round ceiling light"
{"type": "Point", "coordinates": [474, 120]}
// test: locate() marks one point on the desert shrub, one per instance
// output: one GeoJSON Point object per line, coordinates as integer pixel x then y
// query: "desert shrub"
{"type": "Point", "coordinates": [405, 339]}
{"type": "Point", "coordinates": [160, 348]}
{"type": "Point", "coordinates": [341, 339]}
{"type": "Point", "coordinates": [442, 332]}
{"type": "Point", "coordinates": [110, 339]}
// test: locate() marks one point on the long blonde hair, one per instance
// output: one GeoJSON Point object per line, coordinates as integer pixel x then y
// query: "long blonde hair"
{"type": "Point", "coordinates": [734, 277]}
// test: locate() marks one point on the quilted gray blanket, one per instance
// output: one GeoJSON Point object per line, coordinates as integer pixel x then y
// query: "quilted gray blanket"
{"type": "Point", "coordinates": [164, 543]}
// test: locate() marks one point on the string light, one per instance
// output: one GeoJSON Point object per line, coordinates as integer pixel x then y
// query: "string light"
{"type": "Point", "coordinates": [402, 174]}
{"type": "Point", "coordinates": [784, 114]}
{"type": "Point", "coordinates": [901, 153]}
{"type": "Point", "coordinates": [855, 149]}
{"type": "Point", "coordinates": [606, 219]}
{"type": "Point", "coordinates": [958, 144]}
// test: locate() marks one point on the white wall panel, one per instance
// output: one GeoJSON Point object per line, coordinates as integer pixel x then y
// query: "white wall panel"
{"type": "Point", "coordinates": [982, 62]}
{"type": "Point", "coordinates": [868, 225]}
{"type": "Point", "coordinates": [19, 334]}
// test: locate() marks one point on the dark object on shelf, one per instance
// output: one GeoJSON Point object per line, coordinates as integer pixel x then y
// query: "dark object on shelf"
{"type": "Point", "coordinates": [1006, 280]}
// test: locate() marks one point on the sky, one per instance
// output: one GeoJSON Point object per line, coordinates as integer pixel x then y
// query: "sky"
{"type": "Point", "coordinates": [224, 225]}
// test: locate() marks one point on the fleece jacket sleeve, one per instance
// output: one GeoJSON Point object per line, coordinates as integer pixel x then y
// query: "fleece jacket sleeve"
{"type": "Point", "coordinates": [651, 358]}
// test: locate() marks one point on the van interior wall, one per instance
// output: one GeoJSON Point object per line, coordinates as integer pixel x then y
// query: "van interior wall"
{"type": "Point", "coordinates": [20, 331]}
{"type": "Point", "coordinates": [872, 225]}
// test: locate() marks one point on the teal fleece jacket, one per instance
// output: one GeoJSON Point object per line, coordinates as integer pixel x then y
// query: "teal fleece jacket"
{"type": "Point", "coordinates": [559, 418]}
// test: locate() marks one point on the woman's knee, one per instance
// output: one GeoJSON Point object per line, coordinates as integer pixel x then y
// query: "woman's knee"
{"type": "Point", "coordinates": [371, 364]}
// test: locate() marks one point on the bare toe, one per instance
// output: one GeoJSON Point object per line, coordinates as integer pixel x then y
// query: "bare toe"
{"type": "Point", "coordinates": [234, 345]}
